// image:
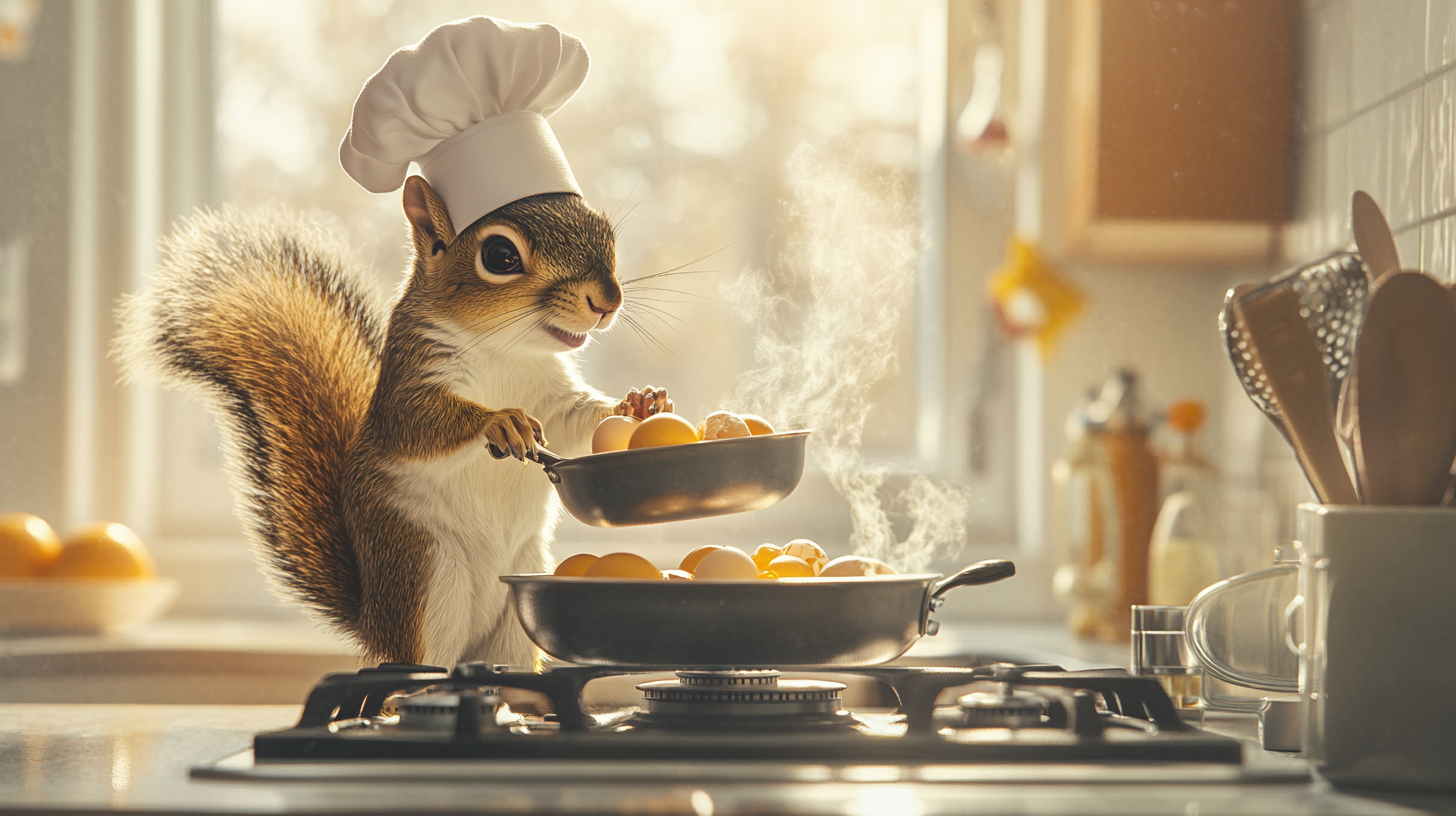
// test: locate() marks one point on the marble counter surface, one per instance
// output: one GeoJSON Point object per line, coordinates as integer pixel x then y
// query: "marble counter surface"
{"type": "Point", "coordinates": [102, 757]}
{"type": "Point", "coordinates": [136, 758]}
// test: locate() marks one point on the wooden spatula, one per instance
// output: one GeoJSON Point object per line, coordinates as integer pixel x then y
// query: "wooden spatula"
{"type": "Point", "coordinates": [1403, 397]}
{"type": "Point", "coordinates": [1290, 358]}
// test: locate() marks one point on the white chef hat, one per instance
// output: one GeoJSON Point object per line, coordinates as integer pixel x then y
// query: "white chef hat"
{"type": "Point", "coordinates": [469, 103]}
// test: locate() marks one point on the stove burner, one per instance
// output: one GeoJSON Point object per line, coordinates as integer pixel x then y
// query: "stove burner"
{"type": "Point", "coordinates": [437, 710]}
{"type": "Point", "coordinates": [1006, 707]}
{"type": "Point", "coordinates": [751, 698]}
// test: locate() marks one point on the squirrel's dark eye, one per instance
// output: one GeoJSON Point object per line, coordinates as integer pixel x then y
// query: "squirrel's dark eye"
{"type": "Point", "coordinates": [499, 256]}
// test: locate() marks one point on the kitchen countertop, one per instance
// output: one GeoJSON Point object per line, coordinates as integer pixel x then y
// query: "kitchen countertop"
{"type": "Point", "coordinates": [136, 758]}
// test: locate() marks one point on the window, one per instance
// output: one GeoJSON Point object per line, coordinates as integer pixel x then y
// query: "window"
{"type": "Point", "coordinates": [788, 157]}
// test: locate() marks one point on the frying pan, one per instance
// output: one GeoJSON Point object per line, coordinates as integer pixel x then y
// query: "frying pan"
{"type": "Point", "coordinates": [735, 624]}
{"type": "Point", "coordinates": [676, 482]}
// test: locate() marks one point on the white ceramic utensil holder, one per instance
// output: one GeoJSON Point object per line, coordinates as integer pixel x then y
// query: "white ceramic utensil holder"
{"type": "Point", "coordinates": [1375, 623]}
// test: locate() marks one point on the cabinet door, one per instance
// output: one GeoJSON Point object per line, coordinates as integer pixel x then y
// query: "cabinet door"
{"type": "Point", "coordinates": [1180, 129]}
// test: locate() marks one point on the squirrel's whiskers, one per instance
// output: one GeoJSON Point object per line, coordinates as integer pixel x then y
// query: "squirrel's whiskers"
{"type": "Point", "coordinates": [356, 437]}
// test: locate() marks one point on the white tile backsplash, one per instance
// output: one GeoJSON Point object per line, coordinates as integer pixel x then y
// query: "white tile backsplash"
{"type": "Point", "coordinates": [1328, 60]}
{"type": "Point", "coordinates": [1438, 174]}
{"type": "Point", "coordinates": [1435, 258]}
{"type": "Point", "coordinates": [1441, 36]}
{"type": "Point", "coordinates": [1407, 142]}
{"type": "Point", "coordinates": [1369, 155]}
{"type": "Point", "coordinates": [1388, 46]}
{"type": "Point", "coordinates": [1380, 108]}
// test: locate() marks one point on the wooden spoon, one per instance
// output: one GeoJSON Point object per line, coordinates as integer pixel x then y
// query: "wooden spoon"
{"type": "Point", "coordinates": [1403, 400]}
{"type": "Point", "coordinates": [1373, 237]}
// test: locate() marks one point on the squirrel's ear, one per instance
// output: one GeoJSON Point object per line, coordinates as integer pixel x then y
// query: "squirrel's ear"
{"type": "Point", "coordinates": [428, 219]}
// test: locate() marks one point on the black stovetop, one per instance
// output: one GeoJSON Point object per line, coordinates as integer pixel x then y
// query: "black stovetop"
{"type": "Point", "coordinates": [1100, 715]}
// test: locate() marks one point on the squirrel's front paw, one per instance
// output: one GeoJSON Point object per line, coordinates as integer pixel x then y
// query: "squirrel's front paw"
{"type": "Point", "coordinates": [643, 404]}
{"type": "Point", "coordinates": [513, 432]}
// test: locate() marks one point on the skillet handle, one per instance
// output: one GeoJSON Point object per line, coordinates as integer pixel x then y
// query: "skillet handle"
{"type": "Point", "coordinates": [540, 456]}
{"type": "Point", "coordinates": [983, 572]}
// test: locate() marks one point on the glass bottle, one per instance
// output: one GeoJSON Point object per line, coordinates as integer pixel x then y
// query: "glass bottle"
{"type": "Point", "coordinates": [1187, 551]}
{"type": "Point", "coordinates": [1085, 526]}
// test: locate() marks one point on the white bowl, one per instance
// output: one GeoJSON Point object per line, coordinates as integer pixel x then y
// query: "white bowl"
{"type": "Point", "coordinates": [81, 605]}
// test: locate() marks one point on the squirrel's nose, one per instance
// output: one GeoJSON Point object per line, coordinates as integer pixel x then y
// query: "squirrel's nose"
{"type": "Point", "coordinates": [601, 310]}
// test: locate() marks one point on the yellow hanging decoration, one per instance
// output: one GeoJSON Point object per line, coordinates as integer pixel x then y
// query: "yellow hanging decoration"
{"type": "Point", "coordinates": [1032, 298]}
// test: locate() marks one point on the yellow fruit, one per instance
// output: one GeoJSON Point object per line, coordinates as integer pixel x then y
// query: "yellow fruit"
{"type": "Point", "coordinates": [622, 565]}
{"type": "Point", "coordinates": [787, 566]}
{"type": "Point", "coordinates": [663, 429]}
{"type": "Point", "coordinates": [757, 425]}
{"type": "Point", "coordinates": [690, 561]}
{"type": "Point", "coordinates": [104, 550]}
{"type": "Point", "coordinates": [574, 566]}
{"type": "Point", "coordinates": [28, 546]}
{"type": "Point", "coordinates": [766, 553]}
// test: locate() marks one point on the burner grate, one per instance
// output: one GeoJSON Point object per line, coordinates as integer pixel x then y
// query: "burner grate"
{"type": "Point", "coordinates": [748, 714]}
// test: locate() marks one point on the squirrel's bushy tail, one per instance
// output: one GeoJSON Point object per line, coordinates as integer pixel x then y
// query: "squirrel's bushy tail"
{"type": "Point", "coordinates": [269, 319]}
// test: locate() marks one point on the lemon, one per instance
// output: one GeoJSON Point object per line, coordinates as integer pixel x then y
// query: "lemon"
{"type": "Point", "coordinates": [28, 546]}
{"type": "Point", "coordinates": [104, 550]}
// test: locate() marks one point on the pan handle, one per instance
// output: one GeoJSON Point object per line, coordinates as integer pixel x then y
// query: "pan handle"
{"type": "Point", "coordinates": [545, 458]}
{"type": "Point", "coordinates": [982, 572]}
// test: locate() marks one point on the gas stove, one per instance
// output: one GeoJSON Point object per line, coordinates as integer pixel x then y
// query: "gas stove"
{"type": "Point", "coordinates": [914, 716]}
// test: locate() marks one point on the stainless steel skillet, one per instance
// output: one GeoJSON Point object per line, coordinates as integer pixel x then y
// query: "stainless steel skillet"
{"type": "Point", "coordinates": [676, 482]}
{"type": "Point", "coordinates": [735, 624]}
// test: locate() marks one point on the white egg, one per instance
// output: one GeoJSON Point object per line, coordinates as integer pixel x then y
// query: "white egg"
{"type": "Point", "coordinates": [726, 564]}
{"type": "Point", "coordinates": [811, 553]}
{"type": "Point", "coordinates": [613, 433]}
{"type": "Point", "coordinates": [855, 566]}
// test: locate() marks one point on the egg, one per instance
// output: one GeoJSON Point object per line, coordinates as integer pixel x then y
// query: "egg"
{"type": "Point", "coordinates": [690, 561]}
{"type": "Point", "coordinates": [811, 553]}
{"type": "Point", "coordinates": [768, 575]}
{"type": "Point", "coordinates": [855, 566]}
{"type": "Point", "coordinates": [757, 425]}
{"type": "Point", "coordinates": [575, 566]}
{"type": "Point", "coordinates": [677, 575]}
{"type": "Point", "coordinates": [787, 566]}
{"type": "Point", "coordinates": [766, 553]}
{"type": "Point", "coordinates": [726, 564]}
{"type": "Point", "coordinates": [662, 429]}
{"type": "Point", "coordinates": [723, 425]}
{"type": "Point", "coordinates": [613, 433]}
{"type": "Point", "coordinates": [623, 565]}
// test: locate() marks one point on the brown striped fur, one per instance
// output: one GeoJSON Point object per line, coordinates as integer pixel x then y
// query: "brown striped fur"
{"type": "Point", "coordinates": [272, 322]}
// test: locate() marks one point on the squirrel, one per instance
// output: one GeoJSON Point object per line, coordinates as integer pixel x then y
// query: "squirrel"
{"type": "Point", "coordinates": [356, 438]}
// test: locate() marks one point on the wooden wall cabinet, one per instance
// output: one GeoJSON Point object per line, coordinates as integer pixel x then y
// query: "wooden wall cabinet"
{"type": "Point", "coordinates": [1177, 135]}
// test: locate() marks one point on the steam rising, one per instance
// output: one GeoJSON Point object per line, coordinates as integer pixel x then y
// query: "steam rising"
{"type": "Point", "coordinates": [823, 351]}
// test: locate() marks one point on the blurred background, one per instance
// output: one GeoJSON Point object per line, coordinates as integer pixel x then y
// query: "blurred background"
{"type": "Point", "coordinates": [1143, 182]}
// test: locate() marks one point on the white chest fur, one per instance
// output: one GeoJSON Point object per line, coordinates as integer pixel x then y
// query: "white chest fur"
{"type": "Point", "coordinates": [491, 517]}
